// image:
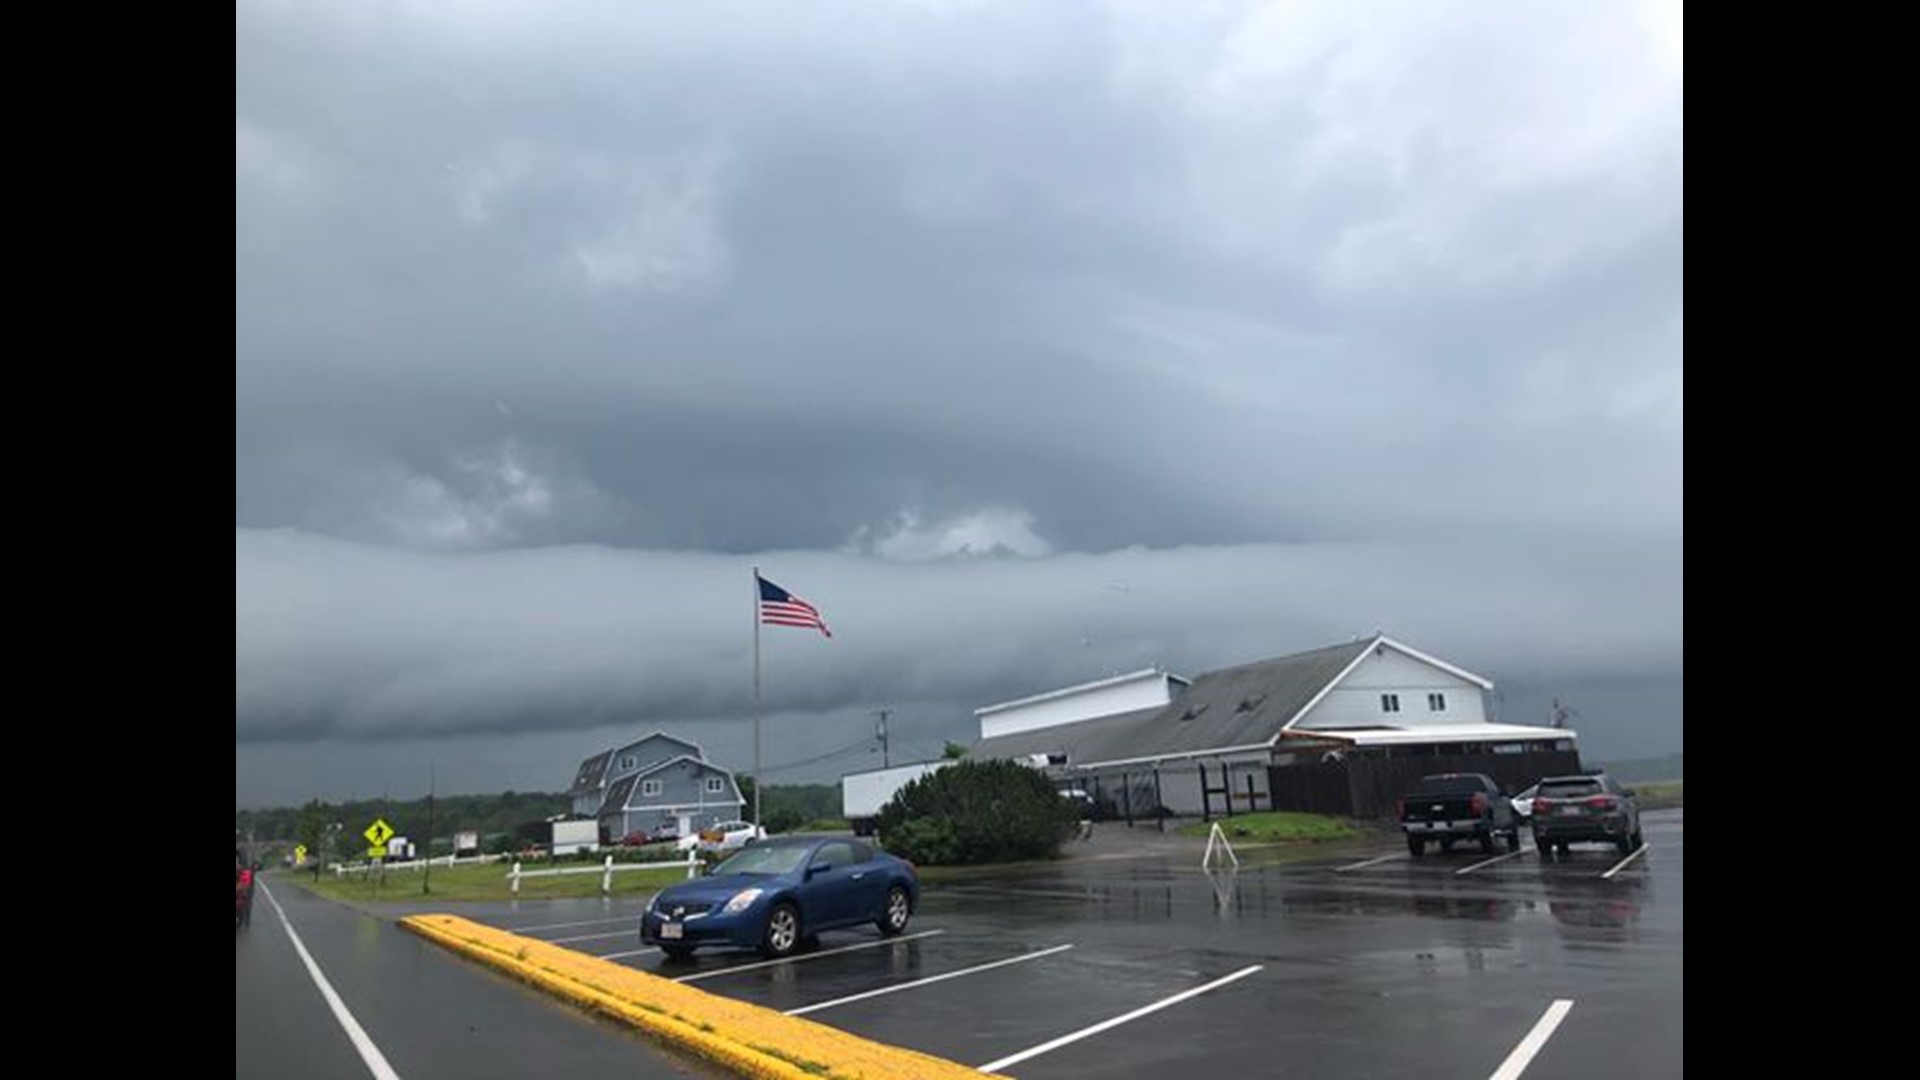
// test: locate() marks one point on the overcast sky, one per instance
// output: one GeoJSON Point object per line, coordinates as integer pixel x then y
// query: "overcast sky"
{"type": "Point", "coordinates": [1032, 342]}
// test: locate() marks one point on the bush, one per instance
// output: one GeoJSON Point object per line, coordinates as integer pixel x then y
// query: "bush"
{"type": "Point", "coordinates": [977, 812]}
{"type": "Point", "coordinates": [785, 819]}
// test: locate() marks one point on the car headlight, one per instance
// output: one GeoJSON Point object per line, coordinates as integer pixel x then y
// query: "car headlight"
{"type": "Point", "coordinates": [741, 901]}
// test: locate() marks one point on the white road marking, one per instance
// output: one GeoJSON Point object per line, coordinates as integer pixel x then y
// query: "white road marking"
{"type": "Point", "coordinates": [624, 955]}
{"type": "Point", "coordinates": [1488, 862]}
{"type": "Point", "coordinates": [376, 1061]}
{"type": "Point", "coordinates": [1517, 1061]}
{"type": "Point", "coordinates": [634, 918]}
{"type": "Point", "coordinates": [1024, 957]}
{"type": "Point", "coordinates": [698, 975]}
{"type": "Point", "coordinates": [628, 932]}
{"type": "Point", "coordinates": [1617, 867]}
{"type": "Point", "coordinates": [1369, 862]}
{"type": "Point", "coordinates": [1045, 1047]}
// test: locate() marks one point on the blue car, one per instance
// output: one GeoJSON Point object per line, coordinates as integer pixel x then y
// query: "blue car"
{"type": "Point", "coordinates": [774, 894]}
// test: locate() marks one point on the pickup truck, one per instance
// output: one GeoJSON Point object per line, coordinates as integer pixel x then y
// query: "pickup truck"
{"type": "Point", "coordinates": [1458, 806]}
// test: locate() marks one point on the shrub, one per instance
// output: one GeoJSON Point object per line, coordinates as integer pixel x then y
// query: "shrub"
{"type": "Point", "coordinates": [977, 812]}
{"type": "Point", "coordinates": [785, 819]}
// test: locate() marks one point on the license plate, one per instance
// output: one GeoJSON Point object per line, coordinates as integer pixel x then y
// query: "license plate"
{"type": "Point", "coordinates": [1567, 811]}
{"type": "Point", "coordinates": [670, 931]}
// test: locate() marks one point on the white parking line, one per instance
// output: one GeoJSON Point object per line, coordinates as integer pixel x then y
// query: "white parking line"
{"type": "Point", "coordinates": [376, 1061]}
{"type": "Point", "coordinates": [1617, 867]}
{"type": "Point", "coordinates": [1516, 1062]}
{"type": "Point", "coordinates": [628, 932]}
{"type": "Point", "coordinates": [1369, 862]}
{"type": "Point", "coordinates": [698, 975]}
{"type": "Point", "coordinates": [1487, 862]}
{"type": "Point", "coordinates": [624, 955]}
{"type": "Point", "coordinates": [1023, 958]}
{"type": "Point", "coordinates": [570, 925]}
{"type": "Point", "coordinates": [1015, 1059]}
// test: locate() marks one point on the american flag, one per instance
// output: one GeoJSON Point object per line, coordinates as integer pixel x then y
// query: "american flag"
{"type": "Point", "coordinates": [778, 607]}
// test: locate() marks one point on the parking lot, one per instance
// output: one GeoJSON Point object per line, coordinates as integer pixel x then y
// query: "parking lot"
{"type": "Point", "coordinates": [1373, 963]}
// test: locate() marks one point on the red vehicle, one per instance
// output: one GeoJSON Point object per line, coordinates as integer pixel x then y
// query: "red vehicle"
{"type": "Point", "coordinates": [242, 892]}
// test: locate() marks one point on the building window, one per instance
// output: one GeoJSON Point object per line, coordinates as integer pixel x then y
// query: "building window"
{"type": "Point", "coordinates": [626, 763]}
{"type": "Point", "coordinates": [715, 785]}
{"type": "Point", "coordinates": [1436, 703]}
{"type": "Point", "coordinates": [649, 787]}
{"type": "Point", "coordinates": [1389, 702]}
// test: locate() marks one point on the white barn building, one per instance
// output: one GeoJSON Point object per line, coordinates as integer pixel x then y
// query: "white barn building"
{"type": "Point", "coordinates": [1344, 729]}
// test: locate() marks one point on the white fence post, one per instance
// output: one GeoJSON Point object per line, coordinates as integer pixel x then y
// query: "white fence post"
{"type": "Point", "coordinates": [516, 877]}
{"type": "Point", "coordinates": [693, 860]}
{"type": "Point", "coordinates": [606, 878]}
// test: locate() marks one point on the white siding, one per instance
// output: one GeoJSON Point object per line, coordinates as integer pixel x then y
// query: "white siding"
{"type": "Point", "coordinates": [1146, 690]}
{"type": "Point", "coordinates": [1355, 702]}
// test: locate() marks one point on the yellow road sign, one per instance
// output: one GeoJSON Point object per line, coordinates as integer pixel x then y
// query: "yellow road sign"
{"type": "Point", "coordinates": [378, 833]}
{"type": "Point", "coordinates": [299, 854]}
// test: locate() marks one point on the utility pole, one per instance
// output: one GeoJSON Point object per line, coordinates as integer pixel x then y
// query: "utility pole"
{"type": "Point", "coordinates": [426, 872]}
{"type": "Point", "coordinates": [886, 757]}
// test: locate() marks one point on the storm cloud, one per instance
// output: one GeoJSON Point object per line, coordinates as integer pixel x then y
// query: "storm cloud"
{"type": "Point", "coordinates": [1031, 341]}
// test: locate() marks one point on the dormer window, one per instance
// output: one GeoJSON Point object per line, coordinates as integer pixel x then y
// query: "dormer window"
{"type": "Point", "coordinates": [649, 787]}
{"type": "Point", "coordinates": [626, 762]}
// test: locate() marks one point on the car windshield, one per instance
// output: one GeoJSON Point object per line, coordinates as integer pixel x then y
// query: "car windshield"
{"type": "Point", "coordinates": [1450, 785]}
{"type": "Point", "coordinates": [1569, 789]}
{"type": "Point", "coordinates": [768, 859]}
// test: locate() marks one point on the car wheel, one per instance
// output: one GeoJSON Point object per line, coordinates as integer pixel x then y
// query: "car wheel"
{"type": "Point", "coordinates": [1446, 845]}
{"type": "Point", "coordinates": [1625, 844]}
{"type": "Point", "coordinates": [1417, 845]}
{"type": "Point", "coordinates": [677, 952]}
{"type": "Point", "coordinates": [1486, 843]}
{"type": "Point", "coordinates": [1513, 840]}
{"type": "Point", "coordinates": [1565, 849]}
{"type": "Point", "coordinates": [893, 918]}
{"type": "Point", "coordinates": [1639, 841]}
{"type": "Point", "coordinates": [783, 931]}
{"type": "Point", "coordinates": [1546, 849]}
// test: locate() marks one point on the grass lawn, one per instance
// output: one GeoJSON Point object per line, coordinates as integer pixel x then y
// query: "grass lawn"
{"type": "Point", "coordinates": [1274, 826]}
{"type": "Point", "coordinates": [1657, 796]}
{"type": "Point", "coordinates": [482, 882]}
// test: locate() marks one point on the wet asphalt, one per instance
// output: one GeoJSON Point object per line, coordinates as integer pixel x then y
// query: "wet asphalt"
{"type": "Point", "coordinates": [1365, 963]}
{"type": "Point", "coordinates": [429, 1013]}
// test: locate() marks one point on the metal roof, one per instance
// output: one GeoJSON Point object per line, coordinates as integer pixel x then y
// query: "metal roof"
{"type": "Point", "coordinates": [617, 794]}
{"type": "Point", "coordinates": [1244, 709]}
{"type": "Point", "coordinates": [1232, 709]}
{"type": "Point", "coordinates": [593, 772]}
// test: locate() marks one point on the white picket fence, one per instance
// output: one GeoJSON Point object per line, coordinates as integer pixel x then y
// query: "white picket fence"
{"type": "Point", "coordinates": [343, 869]}
{"type": "Point", "coordinates": [605, 870]}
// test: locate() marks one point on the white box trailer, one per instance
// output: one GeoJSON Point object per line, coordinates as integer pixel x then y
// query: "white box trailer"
{"type": "Point", "coordinates": [466, 842]}
{"type": "Point", "coordinates": [862, 794]}
{"type": "Point", "coordinates": [572, 836]}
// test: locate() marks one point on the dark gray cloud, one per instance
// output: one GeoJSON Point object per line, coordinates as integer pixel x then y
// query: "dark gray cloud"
{"type": "Point", "coordinates": [595, 299]}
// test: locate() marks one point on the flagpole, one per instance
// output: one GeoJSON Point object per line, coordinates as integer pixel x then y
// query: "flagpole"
{"type": "Point", "coordinates": [756, 697]}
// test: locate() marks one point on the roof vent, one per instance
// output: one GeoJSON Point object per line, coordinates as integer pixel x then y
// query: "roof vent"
{"type": "Point", "coordinates": [1248, 704]}
{"type": "Point", "coordinates": [1193, 711]}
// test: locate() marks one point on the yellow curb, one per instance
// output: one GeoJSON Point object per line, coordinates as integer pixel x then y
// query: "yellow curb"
{"type": "Point", "coordinates": [753, 1040]}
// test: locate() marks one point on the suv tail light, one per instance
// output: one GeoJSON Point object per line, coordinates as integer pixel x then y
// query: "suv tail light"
{"type": "Point", "coordinates": [1601, 802]}
{"type": "Point", "coordinates": [1479, 804]}
{"type": "Point", "coordinates": [1542, 806]}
